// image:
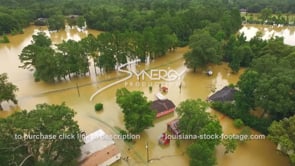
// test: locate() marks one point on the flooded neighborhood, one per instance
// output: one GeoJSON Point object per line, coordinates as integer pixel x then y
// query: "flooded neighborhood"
{"type": "Point", "coordinates": [194, 85]}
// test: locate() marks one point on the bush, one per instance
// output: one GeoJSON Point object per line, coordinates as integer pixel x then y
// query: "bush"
{"type": "Point", "coordinates": [98, 107]}
{"type": "Point", "coordinates": [229, 109]}
{"type": "Point", "coordinates": [5, 39]}
{"type": "Point", "coordinates": [124, 135]}
{"type": "Point", "coordinates": [150, 88]}
{"type": "Point", "coordinates": [238, 123]}
{"type": "Point", "coordinates": [245, 132]}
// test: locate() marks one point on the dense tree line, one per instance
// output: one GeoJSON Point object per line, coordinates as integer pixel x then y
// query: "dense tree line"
{"type": "Point", "coordinates": [181, 16]}
{"type": "Point", "coordinates": [54, 64]}
{"type": "Point", "coordinates": [267, 86]}
{"type": "Point", "coordinates": [284, 6]}
{"type": "Point", "coordinates": [107, 50]}
{"type": "Point", "coordinates": [268, 16]}
{"type": "Point", "coordinates": [268, 82]}
{"type": "Point", "coordinates": [208, 42]}
{"type": "Point", "coordinates": [123, 15]}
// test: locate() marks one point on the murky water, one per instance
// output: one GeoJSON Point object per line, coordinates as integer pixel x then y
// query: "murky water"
{"type": "Point", "coordinates": [269, 31]}
{"type": "Point", "coordinates": [194, 85]}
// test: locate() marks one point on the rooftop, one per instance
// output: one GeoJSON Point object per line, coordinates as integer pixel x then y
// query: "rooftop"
{"type": "Point", "coordinates": [98, 149]}
{"type": "Point", "coordinates": [225, 94]}
{"type": "Point", "coordinates": [163, 107]}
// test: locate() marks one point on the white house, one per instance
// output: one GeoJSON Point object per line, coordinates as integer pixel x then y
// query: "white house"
{"type": "Point", "coordinates": [98, 150]}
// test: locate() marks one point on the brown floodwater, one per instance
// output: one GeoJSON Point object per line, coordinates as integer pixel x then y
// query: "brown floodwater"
{"type": "Point", "coordinates": [268, 31]}
{"type": "Point", "coordinates": [194, 85]}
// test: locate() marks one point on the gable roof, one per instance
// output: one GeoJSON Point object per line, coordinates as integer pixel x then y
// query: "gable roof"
{"type": "Point", "coordinates": [225, 94]}
{"type": "Point", "coordinates": [162, 105]}
{"type": "Point", "coordinates": [98, 144]}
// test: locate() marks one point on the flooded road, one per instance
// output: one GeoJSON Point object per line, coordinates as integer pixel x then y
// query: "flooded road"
{"type": "Point", "coordinates": [194, 85]}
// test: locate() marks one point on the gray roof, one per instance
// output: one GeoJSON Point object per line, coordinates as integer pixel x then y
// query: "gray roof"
{"type": "Point", "coordinates": [225, 94]}
{"type": "Point", "coordinates": [162, 105]}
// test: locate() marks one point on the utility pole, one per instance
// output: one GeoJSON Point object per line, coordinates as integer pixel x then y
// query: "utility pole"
{"type": "Point", "coordinates": [78, 89]}
{"type": "Point", "coordinates": [147, 152]}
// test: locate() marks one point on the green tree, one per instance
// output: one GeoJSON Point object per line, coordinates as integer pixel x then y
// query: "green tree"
{"type": "Point", "coordinates": [257, 43]}
{"type": "Point", "coordinates": [192, 116]}
{"type": "Point", "coordinates": [30, 53]}
{"type": "Point", "coordinates": [201, 154]}
{"type": "Point", "coordinates": [137, 112]}
{"type": "Point", "coordinates": [81, 22]}
{"type": "Point", "coordinates": [235, 62]}
{"type": "Point", "coordinates": [230, 145]}
{"type": "Point", "coordinates": [194, 120]}
{"type": "Point", "coordinates": [41, 39]}
{"type": "Point", "coordinates": [229, 47]}
{"type": "Point", "coordinates": [230, 21]}
{"type": "Point", "coordinates": [5, 39]}
{"type": "Point", "coordinates": [265, 14]}
{"type": "Point", "coordinates": [46, 66]}
{"type": "Point", "coordinates": [7, 90]}
{"type": "Point", "coordinates": [8, 23]}
{"type": "Point", "coordinates": [275, 93]}
{"type": "Point", "coordinates": [205, 50]}
{"type": "Point", "coordinates": [75, 57]}
{"type": "Point", "coordinates": [275, 89]}
{"type": "Point", "coordinates": [89, 45]}
{"type": "Point", "coordinates": [247, 85]}
{"type": "Point", "coordinates": [213, 127]}
{"type": "Point", "coordinates": [282, 133]}
{"type": "Point", "coordinates": [19, 147]}
{"type": "Point", "coordinates": [56, 22]}
{"type": "Point", "coordinates": [242, 56]}
{"type": "Point", "coordinates": [41, 57]}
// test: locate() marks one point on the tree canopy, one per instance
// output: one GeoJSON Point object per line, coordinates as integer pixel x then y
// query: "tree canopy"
{"type": "Point", "coordinates": [137, 112]}
{"type": "Point", "coordinates": [201, 154]}
{"type": "Point", "coordinates": [282, 133]}
{"type": "Point", "coordinates": [7, 90]}
{"type": "Point", "coordinates": [47, 134]}
{"type": "Point", "coordinates": [205, 49]}
{"type": "Point", "coordinates": [194, 120]}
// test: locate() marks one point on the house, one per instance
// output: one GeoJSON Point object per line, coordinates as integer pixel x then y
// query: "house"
{"type": "Point", "coordinates": [98, 150]}
{"type": "Point", "coordinates": [41, 21]}
{"type": "Point", "coordinates": [172, 127]}
{"type": "Point", "coordinates": [73, 16]}
{"type": "Point", "coordinates": [163, 107]}
{"type": "Point", "coordinates": [242, 10]}
{"type": "Point", "coordinates": [226, 94]}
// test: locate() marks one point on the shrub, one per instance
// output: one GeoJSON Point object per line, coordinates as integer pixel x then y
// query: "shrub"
{"type": "Point", "coordinates": [5, 39]}
{"type": "Point", "coordinates": [98, 107]}
{"type": "Point", "coordinates": [245, 133]}
{"type": "Point", "coordinates": [124, 135]}
{"type": "Point", "coordinates": [238, 123]}
{"type": "Point", "coordinates": [229, 109]}
{"type": "Point", "coordinates": [150, 88]}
